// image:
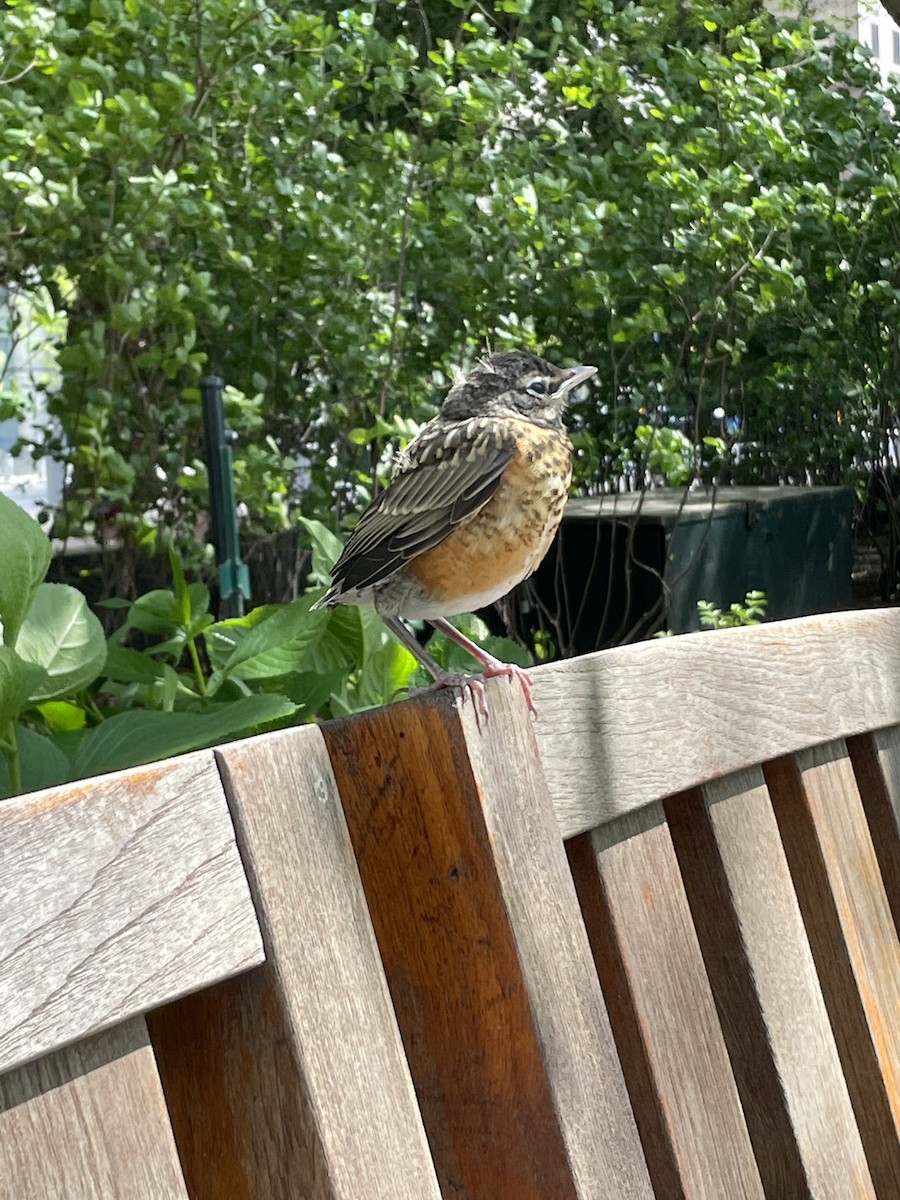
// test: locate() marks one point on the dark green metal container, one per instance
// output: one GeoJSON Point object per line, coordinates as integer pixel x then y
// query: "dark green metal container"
{"type": "Point", "coordinates": [626, 565]}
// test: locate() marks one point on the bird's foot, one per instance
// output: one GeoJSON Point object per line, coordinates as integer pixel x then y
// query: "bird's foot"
{"type": "Point", "coordinates": [492, 666]}
{"type": "Point", "coordinates": [467, 685]}
{"type": "Point", "coordinates": [512, 671]}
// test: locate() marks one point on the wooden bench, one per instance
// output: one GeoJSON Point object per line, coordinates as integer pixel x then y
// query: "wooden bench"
{"type": "Point", "coordinates": [645, 946]}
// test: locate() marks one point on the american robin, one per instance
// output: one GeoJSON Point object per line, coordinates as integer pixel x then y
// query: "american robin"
{"type": "Point", "coordinates": [471, 510]}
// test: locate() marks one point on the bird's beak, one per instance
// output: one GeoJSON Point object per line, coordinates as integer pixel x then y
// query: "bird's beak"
{"type": "Point", "coordinates": [574, 376]}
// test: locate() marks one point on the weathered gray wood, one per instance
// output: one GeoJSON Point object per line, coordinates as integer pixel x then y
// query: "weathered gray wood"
{"type": "Point", "coordinates": [621, 728]}
{"type": "Point", "coordinates": [852, 936]}
{"type": "Point", "coordinates": [767, 993]}
{"type": "Point", "coordinates": [485, 951]}
{"type": "Point", "coordinates": [116, 894]}
{"type": "Point", "coordinates": [876, 762]}
{"type": "Point", "coordinates": [290, 1081]}
{"type": "Point", "coordinates": [88, 1122]}
{"type": "Point", "coordinates": [662, 1012]}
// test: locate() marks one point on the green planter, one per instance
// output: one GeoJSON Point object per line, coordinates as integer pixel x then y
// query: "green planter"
{"type": "Point", "coordinates": [624, 566]}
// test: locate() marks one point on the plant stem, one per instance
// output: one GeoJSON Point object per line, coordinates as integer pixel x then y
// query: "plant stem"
{"type": "Point", "coordinates": [198, 670]}
{"type": "Point", "coordinates": [11, 750]}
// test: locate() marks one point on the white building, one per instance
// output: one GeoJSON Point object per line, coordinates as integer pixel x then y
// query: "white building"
{"type": "Point", "coordinates": [877, 30]}
{"type": "Point", "coordinates": [27, 367]}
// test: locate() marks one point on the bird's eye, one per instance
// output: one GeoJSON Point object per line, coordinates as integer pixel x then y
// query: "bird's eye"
{"type": "Point", "coordinates": [537, 387]}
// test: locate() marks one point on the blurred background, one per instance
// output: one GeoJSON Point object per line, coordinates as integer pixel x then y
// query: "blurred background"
{"type": "Point", "coordinates": [336, 207]}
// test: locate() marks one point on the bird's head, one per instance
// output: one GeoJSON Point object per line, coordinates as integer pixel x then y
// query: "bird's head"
{"type": "Point", "coordinates": [515, 383]}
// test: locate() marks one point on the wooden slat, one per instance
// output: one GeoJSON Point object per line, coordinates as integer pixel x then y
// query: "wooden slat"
{"type": "Point", "coordinates": [670, 1042]}
{"type": "Point", "coordinates": [853, 938]}
{"type": "Point", "coordinates": [623, 727]}
{"type": "Point", "coordinates": [876, 762]}
{"type": "Point", "coordinates": [88, 1122]}
{"type": "Point", "coordinates": [485, 951]}
{"type": "Point", "coordinates": [116, 894]}
{"type": "Point", "coordinates": [767, 993]}
{"type": "Point", "coordinates": [291, 1081]}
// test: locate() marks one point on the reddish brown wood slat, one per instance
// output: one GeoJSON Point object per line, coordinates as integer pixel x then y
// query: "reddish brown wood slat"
{"type": "Point", "coordinates": [662, 1011]}
{"type": "Point", "coordinates": [767, 993]}
{"type": "Point", "coordinates": [291, 1081]}
{"type": "Point", "coordinates": [852, 936]}
{"type": "Point", "coordinates": [485, 951]}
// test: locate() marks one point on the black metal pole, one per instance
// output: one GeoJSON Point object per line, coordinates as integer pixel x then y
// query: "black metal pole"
{"type": "Point", "coordinates": [234, 578]}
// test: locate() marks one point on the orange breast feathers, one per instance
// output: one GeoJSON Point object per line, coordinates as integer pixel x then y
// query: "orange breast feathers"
{"type": "Point", "coordinates": [504, 542]}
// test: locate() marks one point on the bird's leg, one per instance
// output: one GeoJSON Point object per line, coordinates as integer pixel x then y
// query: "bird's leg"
{"type": "Point", "coordinates": [492, 666]}
{"type": "Point", "coordinates": [442, 679]}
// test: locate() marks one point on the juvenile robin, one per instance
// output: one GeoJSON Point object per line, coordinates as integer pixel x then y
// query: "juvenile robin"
{"type": "Point", "coordinates": [474, 502]}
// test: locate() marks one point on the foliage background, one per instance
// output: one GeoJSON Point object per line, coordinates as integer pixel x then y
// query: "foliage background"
{"type": "Point", "coordinates": [336, 206]}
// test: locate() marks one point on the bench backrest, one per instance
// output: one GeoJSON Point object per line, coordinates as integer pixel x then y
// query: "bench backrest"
{"type": "Point", "coordinates": [179, 1018]}
{"type": "Point", "coordinates": [677, 887]}
{"type": "Point", "coordinates": [643, 947]}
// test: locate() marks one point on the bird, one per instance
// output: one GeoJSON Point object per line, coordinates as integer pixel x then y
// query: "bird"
{"type": "Point", "coordinates": [473, 504]}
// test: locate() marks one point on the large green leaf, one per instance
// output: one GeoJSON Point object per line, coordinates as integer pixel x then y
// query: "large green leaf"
{"type": "Point", "coordinates": [277, 645]}
{"type": "Point", "coordinates": [18, 679]}
{"type": "Point", "coordinates": [342, 645]}
{"type": "Point", "coordinates": [222, 637]}
{"type": "Point", "coordinates": [387, 673]}
{"type": "Point", "coordinates": [24, 557]}
{"type": "Point", "coordinates": [62, 635]}
{"type": "Point", "coordinates": [130, 666]}
{"type": "Point", "coordinates": [41, 763]}
{"type": "Point", "coordinates": [310, 690]}
{"type": "Point", "coordinates": [131, 738]}
{"type": "Point", "coordinates": [326, 549]}
{"type": "Point", "coordinates": [156, 612]}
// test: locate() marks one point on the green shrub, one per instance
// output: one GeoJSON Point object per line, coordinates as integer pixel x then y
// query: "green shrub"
{"type": "Point", "coordinates": [74, 704]}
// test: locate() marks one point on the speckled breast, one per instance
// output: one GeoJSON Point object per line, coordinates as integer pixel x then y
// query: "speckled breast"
{"type": "Point", "coordinates": [503, 543]}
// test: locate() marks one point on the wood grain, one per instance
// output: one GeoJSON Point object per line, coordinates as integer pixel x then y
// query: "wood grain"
{"type": "Point", "coordinates": [767, 993]}
{"type": "Point", "coordinates": [876, 763]}
{"type": "Point", "coordinates": [88, 1122]}
{"type": "Point", "coordinates": [291, 1080]}
{"type": "Point", "coordinates": [485, 951]}
{"type": "Point", "coordinates": [623, 727]}
{"type": "Point", "coordinates": [670, 1042]}
{"type": "Point", "coordinates": [116, 894]}
{"type": "Point", "coordinates": [852, 936]}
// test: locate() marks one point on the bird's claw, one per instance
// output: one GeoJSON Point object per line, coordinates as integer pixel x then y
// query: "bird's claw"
{"type": "Point", "coordinates": [468, 685]}
{"type": "Point", "coordinates": [513, 671]}
{"type": "Point", "coordinates": [473, 685]}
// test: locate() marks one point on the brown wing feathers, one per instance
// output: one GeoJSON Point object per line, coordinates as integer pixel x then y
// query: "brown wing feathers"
{"type": "Point", "coordinates": [442, 480]}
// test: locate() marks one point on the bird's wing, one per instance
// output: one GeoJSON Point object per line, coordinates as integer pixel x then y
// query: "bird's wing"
{"type": "Point", "coordinates": [446, 475]}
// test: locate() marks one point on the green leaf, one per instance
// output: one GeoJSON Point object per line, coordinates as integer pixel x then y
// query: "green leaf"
{"type": "Point", "coordinates": [387, 672]}
{"type": "Point", "coordinates": [79, 92]}
{"type": "Point", "coordinates": [346, 628]}
{"type": "Point", "coordinates": [41, 762]}
{"type": "Point", "coordinates": [155, 612]}
{"type": "Point", "coordinates": [191, 607]}
{"type": "Point", "coordinates": [130, 666]}
{"type": "Point", "coordinates": [326, 549]}
{"type": "Point", "coordinates": [18, 679]}
{"type": "Point", "coordinates": [277, 645]}
{"type": "Point", "coordinates": [131, 738]}
{"type": "Point", "coordinates": [63, 716]}
{"type": "Point", "coordinates": [310, 690]}
{"type": "Point", "coordinates": [341, 645]}
{"type": "Point", "coordinates": [222, 637]}
{"type": "Point", "coordinates": [63, 636]}
{"type": "Point", "coordinates": [179, 584]}
{"type": "Point", "coordinates": [25, 552]}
